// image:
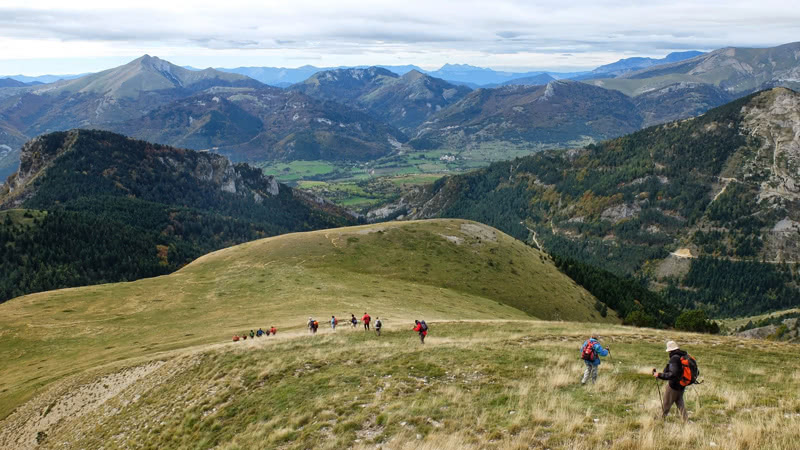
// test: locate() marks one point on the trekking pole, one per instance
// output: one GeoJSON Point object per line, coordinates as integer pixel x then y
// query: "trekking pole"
{"type": "Point", "coordinates": [660, 397]}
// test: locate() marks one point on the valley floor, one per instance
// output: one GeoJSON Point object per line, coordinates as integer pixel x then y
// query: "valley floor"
{"type": "Point", "coordinates": [474, 384]}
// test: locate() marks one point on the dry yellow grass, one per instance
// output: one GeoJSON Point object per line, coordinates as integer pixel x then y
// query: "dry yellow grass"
{"type": "Point", "coordinates": [503, 385]}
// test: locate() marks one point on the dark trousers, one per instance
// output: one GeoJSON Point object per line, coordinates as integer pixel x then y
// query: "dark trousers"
{"type": "Point", "coordinates": [674, 396]}
{"type": "Point", "coordinates": [366, 325]}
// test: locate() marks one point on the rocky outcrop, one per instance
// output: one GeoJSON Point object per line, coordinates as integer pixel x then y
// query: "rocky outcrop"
{"type": "Point", "coordinates": [40, 153]}
{"type": "Point", "coordinates": [787, 330]}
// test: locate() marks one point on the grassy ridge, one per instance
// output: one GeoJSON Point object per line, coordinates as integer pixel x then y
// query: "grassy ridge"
{"type": "Point", "coordinates": [448, 269]}
{"type": "Point", "coordinates": [506, 385]}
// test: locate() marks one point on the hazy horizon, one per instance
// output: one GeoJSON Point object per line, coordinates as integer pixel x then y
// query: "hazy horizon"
{"type": "Point", "coordinates": [42, 37]}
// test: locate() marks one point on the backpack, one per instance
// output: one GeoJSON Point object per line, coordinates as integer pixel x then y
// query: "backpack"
{"type": "Point", "coordinates": [336, 321]}
{"type": "Point", "coordinates": [588, 353]}
{"type": "Point", "coordinates": [423, 326]}
{"type": "Point", "coordinates": [378, 324]}
{"type": "Point", "coordinates": [316, 324]}
{"type": "Point", "coordinates": [690, 371]}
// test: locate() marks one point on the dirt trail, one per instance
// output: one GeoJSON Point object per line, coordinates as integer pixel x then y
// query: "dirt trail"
{"type": "Point", "coordinates": [64, 402]}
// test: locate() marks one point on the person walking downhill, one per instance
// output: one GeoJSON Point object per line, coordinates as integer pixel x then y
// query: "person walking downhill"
{"type": "Point", "coordinates": [366, 320]}
{"type": "Point", "coordinates": [378, 326]}
{"type": "Point", "coordinates": [591, 351]}
{"type": "Point", "coordinates": [422, 328]}
{"type": "Point", "coordinates": [681, 371]}
{"type": "Point", "coordinates": [353, 320]}
{"type": "Point", "coordinates": [334, 322]}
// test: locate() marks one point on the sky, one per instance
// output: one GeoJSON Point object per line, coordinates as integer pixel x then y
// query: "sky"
{"type": "Point", "coordinates": [77, 36]}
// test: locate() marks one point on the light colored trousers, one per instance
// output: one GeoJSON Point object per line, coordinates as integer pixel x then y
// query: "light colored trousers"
{"type": "Point", "coordinates": [591, 370]}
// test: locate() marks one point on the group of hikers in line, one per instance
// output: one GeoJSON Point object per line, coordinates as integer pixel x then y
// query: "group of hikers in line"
{"type": "Point", "coordinates": [255, 334]}
{"type": "Point", "coordinates": [419, 326]}
{"type": "Point", "coordinates": [680, 372]}
{"type": "Point", "coordinates": [313, 324]}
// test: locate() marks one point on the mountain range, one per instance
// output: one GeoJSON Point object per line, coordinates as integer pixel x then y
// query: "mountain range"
{"type": "Point", "coordinates": [627, 65]}
{"type": "Point", "coordinates": [360, 114]}
{"type": "Point", "coordinates": [737, 71]}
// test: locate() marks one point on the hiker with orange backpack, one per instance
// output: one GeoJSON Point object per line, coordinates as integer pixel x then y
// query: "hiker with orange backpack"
{"type": "Point", "coordinates": [591, 351]}
{"type": "Point", "coordinates": [681, 371]}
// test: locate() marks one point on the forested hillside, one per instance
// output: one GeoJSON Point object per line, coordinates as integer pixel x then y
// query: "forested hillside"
{"type": "Point", "coordinates": [707, 186]}
{"type": "Point", "coordinates": [100, 207]}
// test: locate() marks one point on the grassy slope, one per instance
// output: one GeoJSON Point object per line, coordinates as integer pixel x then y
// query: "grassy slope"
{"type": "Point", "coordinates": [396, 271]}
{"type": "Point", "coordinates": [509, 385]}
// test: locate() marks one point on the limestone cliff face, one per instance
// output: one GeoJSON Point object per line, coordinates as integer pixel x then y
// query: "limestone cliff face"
{"type": "Point", "coordinates": [35, 157]}
{"type": "Point", "coordinates": [774, 117]}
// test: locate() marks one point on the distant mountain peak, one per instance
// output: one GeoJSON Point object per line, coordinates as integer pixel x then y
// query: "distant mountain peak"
{"type": "Point", "coordinates": [413, 75]}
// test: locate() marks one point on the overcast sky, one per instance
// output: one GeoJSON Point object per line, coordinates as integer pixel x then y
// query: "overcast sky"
{"type": "Point", "coordinates": [75, 36]}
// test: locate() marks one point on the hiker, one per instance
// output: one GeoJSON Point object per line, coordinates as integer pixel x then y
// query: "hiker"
{"type": "Point", "coordinates": [273, 331]}
{"type": "Point", "coordinates": [314, 327]}
{"type": "Point", "coordinates": [366, 320]}
{"type": "Point", "coordinates": [591, 351]}
{"type": "Point", "coordinates": [311, 325]}
{"type": "Point", "coordinates": [422, 328]}
{"type": "Point", "coordinates": [244, 336]}
{"type": "Point", "coordinates": [260, 332]}
{"type": "Point", "coordinates": [353, 320]}
{"type": "Point", "coordinates": [334, 322]}
{"type": "Point", "coordinates": [378, 326]}
{"type": "Point", "coordinates": [235, 338]}
{"type": "Point", "coordinates": [679, 373]}
{"type": "Point", "coordinates": [252, 334]}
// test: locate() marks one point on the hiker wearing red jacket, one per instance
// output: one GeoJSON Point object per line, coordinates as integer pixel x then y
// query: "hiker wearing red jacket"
{"type": "Point", "coordinates": [366, 320]}
{"type": "Point", "coordinates": [422, 329]}
{"type": "Point", "coordinates": [273, 330]}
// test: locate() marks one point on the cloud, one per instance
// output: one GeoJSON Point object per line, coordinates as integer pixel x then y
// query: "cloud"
{"type": "Point", "coordinates": [435, 32]}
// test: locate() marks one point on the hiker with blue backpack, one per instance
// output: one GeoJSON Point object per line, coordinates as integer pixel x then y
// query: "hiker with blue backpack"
{"type": "Point", "coordinates": [591, 351]}
{"type": "Point", "coordinates": [681, 372]}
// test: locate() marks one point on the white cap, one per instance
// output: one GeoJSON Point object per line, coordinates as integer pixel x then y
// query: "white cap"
{"type": "Point", "coordinates": [671, 346]}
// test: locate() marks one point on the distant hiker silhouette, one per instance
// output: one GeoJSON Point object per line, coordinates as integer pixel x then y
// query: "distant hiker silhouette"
{"type": "Point", "coordinates": [334, 322]}
{"type": "Point", "coordinates": [260, 332]}
{"type": "Point", "coordinates": [378, 326]}
{"type": "Point", "coordinates": [235, 338]}
{"type": "Point", "coordinates": [422, 328]}
{"type": "Point", "coordinates": [273, 330]}
{"type": "Point", "coordinates": [353, 320]}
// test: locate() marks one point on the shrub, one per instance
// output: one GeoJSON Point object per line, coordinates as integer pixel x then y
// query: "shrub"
{"type": "Point", "coordinates": [697, 321]}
